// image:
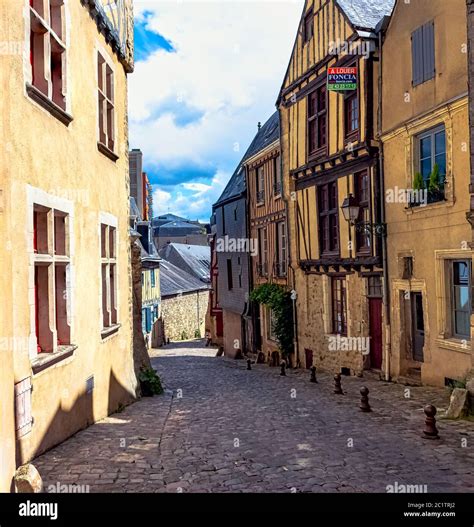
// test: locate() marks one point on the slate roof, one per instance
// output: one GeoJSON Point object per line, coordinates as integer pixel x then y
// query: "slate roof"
{"type": "Point", "coordinates": [267, 134]}
{"type": "Point", "coordinates": [174, 280]}
{"type": "Point", "coordinates": [174, 228]}
{"type": "Point", "coordinates": [193, 259]}
{"type": "Point", "coordinates": [366, 13]}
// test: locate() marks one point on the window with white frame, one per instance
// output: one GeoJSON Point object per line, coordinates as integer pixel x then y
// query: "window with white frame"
{"type": "Point", "coordinates": [48, 49]}
{"type": "Point", "coordinates": [106, 101]}
{"type": "Point", "coordinates": [281, 248]}
{"type": "Point", "coordinates": [51, 270]}
{"type": "Point", "coordinates": [108, 248]}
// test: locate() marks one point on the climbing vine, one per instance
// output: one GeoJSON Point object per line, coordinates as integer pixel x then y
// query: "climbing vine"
{"type": "Point", "coordinates": [279, 301]}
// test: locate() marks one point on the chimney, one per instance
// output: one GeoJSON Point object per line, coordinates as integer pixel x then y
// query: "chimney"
{"type": "Point", "coordinates": [259, 125]}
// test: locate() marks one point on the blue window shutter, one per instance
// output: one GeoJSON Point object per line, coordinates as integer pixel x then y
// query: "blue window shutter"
{"type": "Point", "coordinates": [428, 51]}
{"type": "Point", "coordinates": [152, 278]}
{"type": "Point", "coordinates": [144, 320]}
{"type": "Point", "coordinates": [148, 319]}
{"type": "Point", "coordinates": [417, 56]}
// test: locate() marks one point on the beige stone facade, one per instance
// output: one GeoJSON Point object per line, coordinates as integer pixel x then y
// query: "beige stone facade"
{"type": "Point", "coordinates": [427, 244]}
{"type": "Point", "coordinates": [184, 315]}
{"type": "Point", "coordinates": [65, 254]}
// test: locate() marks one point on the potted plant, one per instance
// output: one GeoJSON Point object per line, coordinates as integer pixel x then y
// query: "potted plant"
{"type": "Point", "coordinates": [150, 383]}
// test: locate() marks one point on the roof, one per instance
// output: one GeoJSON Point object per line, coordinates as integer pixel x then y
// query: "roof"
{"type": "Point", "coordinates": [174, 280]}
{"type": "Point", "coordinates": [194, 259]}
{"type": "Point", "coordinates": [166, 218]}
{"type": "Point", "coordinates": [268, 134]}
{"type": "Point", "coordinates": [366, 13]}
{"type": "Point", "coordinates": [173, 228]}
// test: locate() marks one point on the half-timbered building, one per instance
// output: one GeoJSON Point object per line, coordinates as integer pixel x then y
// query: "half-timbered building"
{"type": "Point", "coordinates": [328, 112]}
{"type": "Point", "coordinates": [268, 226]}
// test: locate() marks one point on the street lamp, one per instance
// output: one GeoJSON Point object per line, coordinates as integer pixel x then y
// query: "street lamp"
{"type": "Point", "coordinates": [351, 210]}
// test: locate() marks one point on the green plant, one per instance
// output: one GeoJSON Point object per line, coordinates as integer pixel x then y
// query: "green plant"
{"type": "Point", "coordinates": [418, 182]}
{"type": "Point", "coordinates": [197, 334]}
{"type": "Point", "coordinates": [279, 301]}
{"type": "Point", "coordinates": [184, 335]}
{"type": "Point", "coordinates": [434, 182]}
{"type": "Point", "coordinates": [150, 382]}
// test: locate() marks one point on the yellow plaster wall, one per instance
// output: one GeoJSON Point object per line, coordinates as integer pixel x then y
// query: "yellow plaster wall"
{"type": "Point", "coordinates": [65, 162]}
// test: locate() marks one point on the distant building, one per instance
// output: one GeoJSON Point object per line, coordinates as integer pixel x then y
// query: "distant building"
{"type": "Point", "coordinates": [193, 259]}
{"type": "Point", "coordinates": [140, 186]}
{"type": "Point", "coordinates": [170, 228]}
{"type": "Point", "coordinates": [184, 304]}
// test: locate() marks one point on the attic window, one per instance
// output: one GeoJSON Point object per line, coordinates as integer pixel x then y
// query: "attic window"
{"type": "Point", "coordinates": [308, 32]}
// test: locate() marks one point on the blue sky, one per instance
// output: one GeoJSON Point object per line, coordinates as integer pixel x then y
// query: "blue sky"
{"type": "Point", "coordinates": [206, 73]}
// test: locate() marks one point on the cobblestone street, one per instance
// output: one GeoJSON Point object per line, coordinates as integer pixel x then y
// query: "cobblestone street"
{"type": "Point", "coordinates": [221, 428]}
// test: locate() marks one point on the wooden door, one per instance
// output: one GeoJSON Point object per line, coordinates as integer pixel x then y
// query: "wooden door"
{"type": "Point", "coordinates": [375, 332]}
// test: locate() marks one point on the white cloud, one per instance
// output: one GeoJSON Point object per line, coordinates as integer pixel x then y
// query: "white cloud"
{"type": "Point", "coordinates": [229, 64]}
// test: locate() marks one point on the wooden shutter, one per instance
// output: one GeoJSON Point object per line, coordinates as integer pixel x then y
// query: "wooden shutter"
{"type": "Point", "coordinates": [417, 56]}
{"type": "Point", "coordinates": [23, 418]}
{"type": "Point", "coordinates": [428, 51]}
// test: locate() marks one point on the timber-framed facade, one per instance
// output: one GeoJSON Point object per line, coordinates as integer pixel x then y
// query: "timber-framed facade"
{"type": "Point", "coordinates": [330, 154]}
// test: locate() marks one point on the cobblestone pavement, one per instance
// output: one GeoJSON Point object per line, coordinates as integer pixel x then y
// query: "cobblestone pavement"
{"type": "Point", "coordinates": [220, 428]}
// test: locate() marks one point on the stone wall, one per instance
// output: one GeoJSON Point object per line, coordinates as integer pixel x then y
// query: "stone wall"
{"type": "Point", "coordinates": [181, 313]}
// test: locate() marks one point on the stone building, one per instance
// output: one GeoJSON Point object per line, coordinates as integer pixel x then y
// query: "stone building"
{"type": "Point", "coordinates": [268, 227]}
{"type": "Point", "coordinates": [66, 326]}
{"type": "Point", "coordinates": [328, 115]}
{"type": "Point", "coordinates": [425, 134]}
{"type": "Point", "coordinates": [184, 303]}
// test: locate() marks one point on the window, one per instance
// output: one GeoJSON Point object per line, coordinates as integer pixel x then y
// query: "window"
{"type": "Point", "coordinates": [108, 244]}
{"type": "Point", "coordinates": [351, 113]}
{"type": "Point", "coordinates": [152, 275]}
{"type": "Point", "coordinates": [339, 306]}
{"type": "Point", "coordinates": [362, 195]}
{"type": "Point", "coordinates": [277, 176]}
{"type": "Point", "coordinates": [460, 299]}
{"type": "Point", "coordinates": [271, 318]}
{"type": "Point", "coordinates": [328, 219]}
{"type": "Point", "coordinates": [374, 287]}
{"type": "Point", "coordinates": [281, 248]}
{"type": "Point", "coordinates": [106, 98]}
{"type": "Point", "coordinates": [317, 120]}
{"type": "Point", "coordinates": [423, 54]}
{"type": "Point", "coordinates": [308, 30]}
{"type": "Point", "coordinates": [48, 49]}
{"type": "Point", "coordinates": [230, 284]}
{"type": "Point", "coordinates": [51, 270]}
{"type": "Point", "coordinates": [262, 252]}
{"type": "Point", "coordinates": [260, 185]}
{"type": "Point", "coordinates": [432, 159]}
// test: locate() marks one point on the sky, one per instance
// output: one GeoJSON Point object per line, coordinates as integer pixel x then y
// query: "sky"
{"type": "Point", "coordinates": [206, 73]}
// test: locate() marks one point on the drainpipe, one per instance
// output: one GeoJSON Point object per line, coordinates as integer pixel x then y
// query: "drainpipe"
{"type": "Point", "coordinates": [386, 288]}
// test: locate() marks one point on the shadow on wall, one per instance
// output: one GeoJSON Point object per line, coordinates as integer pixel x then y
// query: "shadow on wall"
{"type": "Point", "coordinates": [66, 423]}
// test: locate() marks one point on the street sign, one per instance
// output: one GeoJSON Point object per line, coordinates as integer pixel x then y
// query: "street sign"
{"type": "Point", "coordinates": [342, 79]}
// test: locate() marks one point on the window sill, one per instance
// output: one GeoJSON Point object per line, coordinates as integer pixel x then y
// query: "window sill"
{"type": "Point", "coordinates": [318, 154]}
{"type": "Point", "coordinates": [107, 152]}
{"type": "Point", "coordinates": [46, 103]}
{"type": "Point", "coordinates": [455, 345]}
{"type": "Point", "coordinates": [46, 360]}
{"type": "Point", "coordinates": [111, 330]}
